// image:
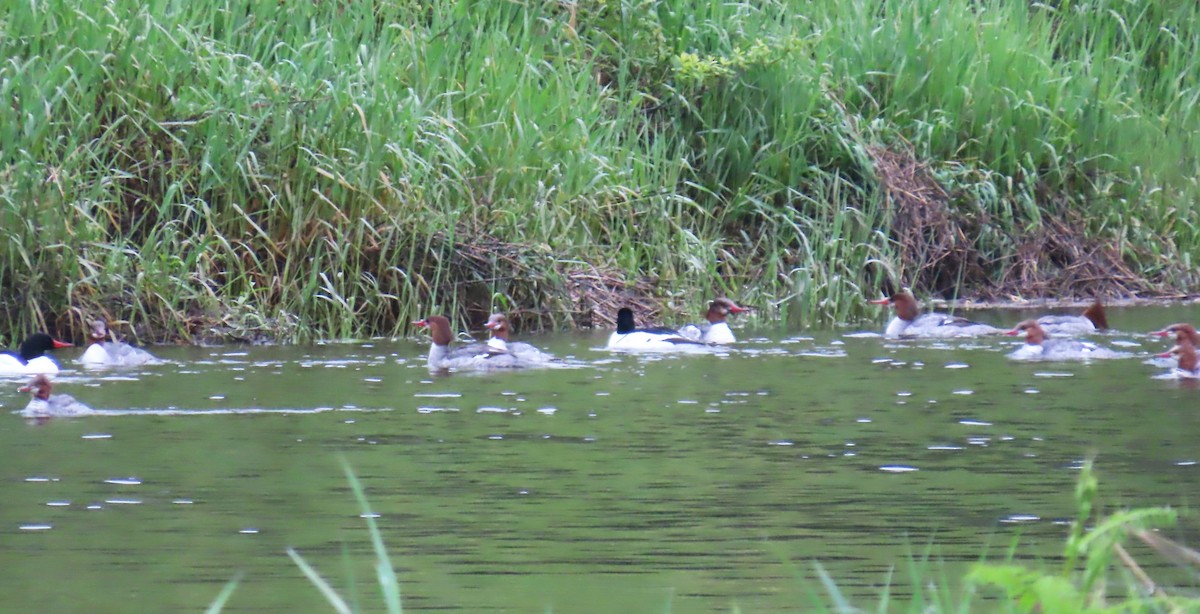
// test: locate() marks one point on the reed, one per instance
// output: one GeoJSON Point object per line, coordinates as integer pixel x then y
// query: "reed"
{"type": "Point", "coordinates": [336, 169]}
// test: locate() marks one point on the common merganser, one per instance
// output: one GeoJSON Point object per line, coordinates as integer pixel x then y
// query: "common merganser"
{"type": "Point", "coordinates": [1091, 320]}
{"type": "Point", "coordinates": [31, 358]}
{"type": "Point", "coordinates": [1038, 346]}
{"type": "Point", "coordinates": [1181, 331]}
{"type": "Point", "coordinates": [474, 357]}
{"type": "Point", "coordinates": [1187, 368]}
{"type": "Point", "coordinates": [910, 322]}
{"type": "Point", "coordinates": [654, 339]}
{"type": "Point", "coordinates": [715, 329]}
{"type": "Point", "coordinates": [103, 353]}
{"type": "Point", "coordinates": [498, 325]}
{"type": "Point", "coordinates": [44, 404]}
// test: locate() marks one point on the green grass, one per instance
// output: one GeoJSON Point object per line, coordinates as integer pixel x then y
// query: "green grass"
{"type": "Point", "coordinates": [336, 169]}
{"type": "Point", "coordinates": [1093, 556]}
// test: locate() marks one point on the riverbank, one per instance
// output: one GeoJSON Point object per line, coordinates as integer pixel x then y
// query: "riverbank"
{"type": "Point", "coordinates": [258, 171]}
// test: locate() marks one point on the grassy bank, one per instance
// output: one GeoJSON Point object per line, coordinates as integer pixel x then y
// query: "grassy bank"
{"type": "Point", "coordinates": [335, 169]}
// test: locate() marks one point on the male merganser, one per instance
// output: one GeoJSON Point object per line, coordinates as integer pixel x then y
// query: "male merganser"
{"type": "Point", "coordinates": [103, 353]}
{"type": "Point", "coordinates": [44, 404]}
{"type": "Point", "coordinates": [715, 329]}
{"type": "Point", "coordinates": [498, 325]}
{"type": "Point", "coordinates": [474, 357]}
{"type": "Point", "coordinates": [910, 322]}
{"type": "Point", "coordinates": [31, 358]}
{"type": "Point", "coordinates": [655, 339]}
{"type": "Point", "coordinates": [1187, 368]}
{"type": "Point", "coordinates": [1182, 331]}
{"type": "Point", "coordinates": [1091, 320]}
{"type": "Point", "coordinates": [1038, 346]}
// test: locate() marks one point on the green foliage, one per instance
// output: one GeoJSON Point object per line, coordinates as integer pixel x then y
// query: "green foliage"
{"type": "Point", "coordinates": [334, 169]}
{"type": "Point", "coordinates": [1070, 591]}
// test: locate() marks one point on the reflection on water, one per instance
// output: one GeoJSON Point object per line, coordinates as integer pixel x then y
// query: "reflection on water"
{"type": "Point", "coordinates": [625, 484]}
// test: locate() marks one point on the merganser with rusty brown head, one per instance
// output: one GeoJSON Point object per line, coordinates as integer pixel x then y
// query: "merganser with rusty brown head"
{"type": "Point", "coordinates": [31, 358]}
{"type": "Point", "coordinates": [104, 353]}
{"type": "Point", "coordinates": [498, 325]}
{"type": "Point", "coordinates": [910, 322]}
{"type": "Point", "coordinates": [45, 404]}
{"type": "Point", "coordinates": [629, 338]}
{"type": "Point", "coordinates": [715, 329]}
{"type": "Point", "coordinates": [1092, 319]}
{"type": "Point", "coordinates": [474, 357]}
{"type": "Point", "coordinates": [1181, 331]}
{"type": "Point", "coordinates": [1039, 346]}
{"type": "Point", "coordinates": [1187, 367]}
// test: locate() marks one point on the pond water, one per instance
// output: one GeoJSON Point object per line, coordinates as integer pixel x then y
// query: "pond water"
{"type": "Point", "coordinates": [625, 484]}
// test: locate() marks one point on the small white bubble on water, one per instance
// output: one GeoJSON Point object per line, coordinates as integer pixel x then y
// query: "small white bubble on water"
{"type": "Point", "coordinates": [589, 439]}
{"type": "Point", "coordinates": [849, 454]}
{"type": "Point", "coordinates": [1185, 463]}
{"type": "Point", "coordinates": [58, 503]}
{"type": "Point", "coordinates": [932, 401]}
{"type": "Point", "coordinates": [548, 411]}
{"type": "Point", "coordinates": [131, 481]}
{"type": "Point", "coordinates": [863, 420]}
{"type": "Point", "coordinates": [217, 397]}
{"type": "Point", "coordinates": [182, 501]}
{"type": "Point", "coordinates": [123, 501]}
{"type": "Point", "coordinates": [437, 395]}
{"type": "Point", "coordinates": [370, 515]}
{"type": "Point", "coordinates": [1032, 391]}
{"type": "Point", "coordinates": [687, 402]}
{"type": "Point", "coordinates": [38, 478]}
{"type": "Point", "coordinates": [957, 365]}
{"type": "Point", "coordinates": [36, 527]}
{"type": "Point", "coordinates": [963, 392]}
{"type": "Point", "coordinates": [918, 364]}
{"type": "Point", "coordinates": [876, 361]}
{"type": "Point", "coordinates": [520, 399]}
{"type": "Point", "coordinates": [602, 394]}
{"type": "Point", "coordinates": [944, 447]}
{"type": "Point", "coordinates": [495, 437]}
{"type": "Point", "coordinates": [837, 342]}
{"type": "Point", "coordinates": [712, 410]}
{"type": "Point", "coordinates": [968, 422]}
{"type": "Point", "coordinates": [96, 436]}
{"type": "Point", "coordinates": [780, 442]}
{"type": "Point", "coordinates": [904, 393]}
{"type": "Point", "coordinates": [1126, 343]}
{"type": "Point", "coordinates": [1006, 438]}
{"type": "Point", "coordinates": [1037, 439]}
{"type": "Point", "coordinates": [1052, 374]}
{"type": "Point", "coordinates": [348, 421]}
{"type": "Point", "coordinates": [239, 378]}
{"type": "Point", "coordinates": [373, 380]}
{"type": "Point", "coordinates": [978, 441]}
{"type": "Point", "coordinates": [248, 531]}
{"type": "Point", "coordinates": [898, 468]}
{"type": "Point", "coordinates": [507, 393]}
{"type": "Point", "coordinates": [95, 506]}
{"type": "Point", "coordinates": [491, 410]}
{"type": "Point", "coordinates": [850, 444]}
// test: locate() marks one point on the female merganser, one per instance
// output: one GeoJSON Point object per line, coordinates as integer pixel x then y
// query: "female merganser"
{"type": "Point", "coordinates": [474, 357]}
{"type": "Point", "coordinates": [31, 358]}
{"type": "Point", "coordinates": [44, 404]}
{"type": "Point", "coordinates": [1187, 368]}
{"type": "Point", "coordinates": [498, 325]}
{"type": "Point", "coordinates": [1181, 332]}
{"type": "Point", "coordinates": [1039, 347]}
{"type": "Point", "coordinates": [103, 353]}
{"type": "Point", "coordinates": [1091, 320]}
{"type": "Point", "coordinates": [715, 329]}
{"type": "Point", "coordinates": [909, 322]}
{"type": "Point", "coordinates": [655, 339]}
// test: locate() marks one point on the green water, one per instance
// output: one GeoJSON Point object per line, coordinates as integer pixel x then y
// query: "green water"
{"type": "Point", "coordinates": [627, 484]}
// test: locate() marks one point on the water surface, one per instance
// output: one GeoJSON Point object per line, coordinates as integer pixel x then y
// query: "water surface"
{"type": "Point", "coordinates": [628, 483]}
